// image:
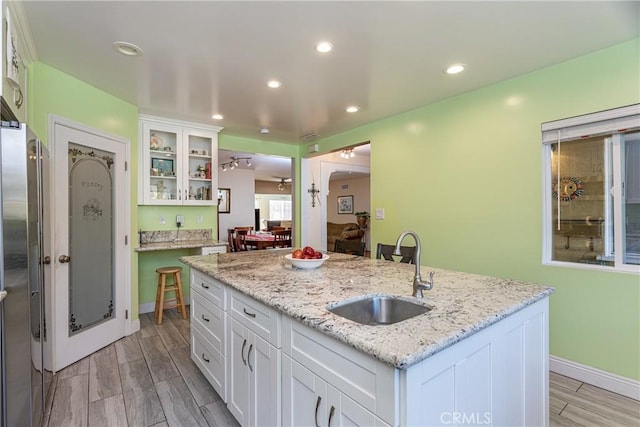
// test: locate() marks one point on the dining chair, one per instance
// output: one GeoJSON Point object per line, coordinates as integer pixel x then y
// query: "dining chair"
{"type": "Point", "coordinates": [354, 247]}
{"type": "Point", "coordinates": [241, 240]}
{"type": "Point", "coordinates": [231, 238]}
{"type": "Point", "coordinates": [281, 238]}
{"type": "Point", "coordinates": [386, 252]}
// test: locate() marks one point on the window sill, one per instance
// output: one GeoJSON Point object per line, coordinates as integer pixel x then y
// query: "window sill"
{"type": "Point", "coordinates": [625, 268]}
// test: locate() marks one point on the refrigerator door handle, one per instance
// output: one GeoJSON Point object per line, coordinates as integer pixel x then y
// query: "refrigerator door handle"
{"type": "Point", "coordinates": [3, 294]}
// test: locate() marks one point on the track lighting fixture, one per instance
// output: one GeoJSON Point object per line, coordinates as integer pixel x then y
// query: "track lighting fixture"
{"type": "Point", "coordinates": [234, 163]}
{"type": "Point", "coordinates": [347, 153]}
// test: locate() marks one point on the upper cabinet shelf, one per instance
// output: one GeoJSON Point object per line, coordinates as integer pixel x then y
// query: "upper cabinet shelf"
{"type": "Point", "coordinates": [179, 162]}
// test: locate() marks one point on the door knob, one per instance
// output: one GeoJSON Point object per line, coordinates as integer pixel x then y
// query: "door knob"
{"type": "Point", "coordinates": [46, 260]}
{"type": "Point", "coordinates": [64, 258]}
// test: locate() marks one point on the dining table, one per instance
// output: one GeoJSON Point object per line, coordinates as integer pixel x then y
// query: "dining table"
{"type": "Point", "coordinates": [260, 240]}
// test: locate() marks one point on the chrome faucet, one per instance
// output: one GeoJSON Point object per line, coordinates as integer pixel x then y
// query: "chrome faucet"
{"type": "Point", "coordinates": [418, 284]}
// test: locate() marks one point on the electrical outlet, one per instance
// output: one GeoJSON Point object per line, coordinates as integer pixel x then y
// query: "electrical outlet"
{"type": "Point", "coordinates": [180, 220]}
{"type": "Point", "coordinates": [199, 219]}
{"type": "Point", "coordinates": [163, 219]}
{"type": "Point", "coordinates": [379, 213]}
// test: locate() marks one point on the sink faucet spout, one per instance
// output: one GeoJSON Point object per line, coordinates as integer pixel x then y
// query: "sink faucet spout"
{"type": "Point", "coordinates": [418, 284]}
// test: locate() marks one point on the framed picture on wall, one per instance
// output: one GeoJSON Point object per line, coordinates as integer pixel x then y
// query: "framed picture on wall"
{"type": "Point", "coordinates": [224, 200]}
{"type": "Point", "coordinates": [345, 204]}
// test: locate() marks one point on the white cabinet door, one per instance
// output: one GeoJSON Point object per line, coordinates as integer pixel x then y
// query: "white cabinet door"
{"type": "Point", "coordinates": [238, 387]}
{"type": "Point", "coordinates": [161, 157]}
{"type": "Point", "coordinates": [263, 361]}
{"type": "Point", "coordinates": [254, 377]}
{"type": "Point", "coordinates": [345, 412]}
{"type": "Point", "coordinates": [304, 396]}
{"type": "Point", "coordinates": [309, 401]}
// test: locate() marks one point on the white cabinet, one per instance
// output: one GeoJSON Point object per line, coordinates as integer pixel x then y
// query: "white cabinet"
{"type": "Point", "coordinates": [208, 329]}
{"type": "Point", "coordinates": [253, 364]}
{"type": "Point", "coordinates": [347, 386]}
{"type": "Point", "coordinates": [14, 55]}
{"type": "Point", "coordinates": [310, 401]}
{"type": "Point", "coordinates": [179, 162]}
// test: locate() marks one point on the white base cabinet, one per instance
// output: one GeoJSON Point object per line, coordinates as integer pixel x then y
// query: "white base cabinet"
{"type": "Point", "coordinates": [272, 370]}
{"type": "Point", "coordinates": [254, 378]}
{"type": "Point", "coordinates": [309, 401]}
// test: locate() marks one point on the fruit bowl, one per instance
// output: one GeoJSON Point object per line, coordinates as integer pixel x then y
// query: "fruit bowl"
{"type": "Point", "coordinates": [306, 264]}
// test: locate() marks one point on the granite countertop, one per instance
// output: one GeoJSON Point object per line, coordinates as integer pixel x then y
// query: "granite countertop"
{"type": "Point", "coordinates": [463, 303]}
{"type": "Point", "coordinates": [176, 239]}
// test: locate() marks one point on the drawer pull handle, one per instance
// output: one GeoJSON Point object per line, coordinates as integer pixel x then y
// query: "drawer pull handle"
{"type": "Point", "coordinates": [317, 406]}
{"type": "Point", "coordinates": [247, 313]}
{"type": "Point", "coordinates": [249, 357]}
{"type": "Point", "coordinates": [244, 343]}
{"type": "Point", "coordinates": [204, 358]}
{"type": "Point", "coordinates": [333, 409]}
{"type": "Point", "coordinates": [204, 286]}
{"type": "Point", "coordinates": [204, 318]}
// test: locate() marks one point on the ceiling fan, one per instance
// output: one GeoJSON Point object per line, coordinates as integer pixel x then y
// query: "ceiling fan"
{"type": "Point", "coordinates": [283, 184]}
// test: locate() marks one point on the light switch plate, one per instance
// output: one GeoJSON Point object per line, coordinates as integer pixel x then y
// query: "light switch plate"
{"type": "Point", "coordinates": [379, 213]}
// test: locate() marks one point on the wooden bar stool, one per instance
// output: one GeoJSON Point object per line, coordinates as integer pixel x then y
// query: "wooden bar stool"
{"type": "Point", "coordinates": [176, 287]}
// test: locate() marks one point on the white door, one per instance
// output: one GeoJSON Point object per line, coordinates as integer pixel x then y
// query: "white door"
{"type": "Point", "coordinates": [304, 396]}
{"type": "Point", "coordinates": [263, 361]}
{"type": "Point", "coordinates": [238, 391]}
{"type": "Point", "coordinates": [90, 263]}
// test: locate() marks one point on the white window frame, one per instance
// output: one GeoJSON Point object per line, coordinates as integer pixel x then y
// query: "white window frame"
{"type": "Point", "coordinates": [613, 122]}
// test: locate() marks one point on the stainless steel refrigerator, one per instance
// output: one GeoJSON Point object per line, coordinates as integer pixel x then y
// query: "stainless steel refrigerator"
{"type": "Point", "coordinates": [22, 264]}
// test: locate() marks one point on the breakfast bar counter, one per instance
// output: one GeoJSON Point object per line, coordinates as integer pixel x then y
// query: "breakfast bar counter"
{"type": "Point", "coordinates": [463, 303]}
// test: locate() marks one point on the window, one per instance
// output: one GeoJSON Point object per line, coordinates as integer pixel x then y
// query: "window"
{"type": "Point", "coordinates": [592, 190]}
{"type": "Point", "coordinates": [280, 210]}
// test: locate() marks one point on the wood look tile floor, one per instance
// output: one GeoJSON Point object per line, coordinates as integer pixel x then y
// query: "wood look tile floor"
{"type": "Point", "coordinates": [148, 379]}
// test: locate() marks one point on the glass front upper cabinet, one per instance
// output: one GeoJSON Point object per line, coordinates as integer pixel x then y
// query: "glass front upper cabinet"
{"type": "Point", "coordinates": [178, 162]}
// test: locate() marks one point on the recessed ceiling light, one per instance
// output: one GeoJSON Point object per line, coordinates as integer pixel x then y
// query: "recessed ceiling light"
{"type": "Point", "coordinates": [264, 131]}
{"type": "Point", "coordinates": [217, 117]}
{"type": "Point", "coordinates": [127, 48]}
{"type": "Point", "coordinates": [352, 109]}
{"type": "Point", "coordinates": [324, 47]}
{"type": "Point", "coordinates": [455, 69]}
{"type": "Point", "coordinates": [274, 84]}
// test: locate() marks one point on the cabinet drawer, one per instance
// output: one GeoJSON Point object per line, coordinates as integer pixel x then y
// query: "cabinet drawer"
{"type": "Point", "coordinates": [210, 361]}
{"type": "Point", "coordinates": [210, 288]}
{"type": "Point", "coordinates": [210, 318]}
{"type": "Point", "coordinates": [260, 319]}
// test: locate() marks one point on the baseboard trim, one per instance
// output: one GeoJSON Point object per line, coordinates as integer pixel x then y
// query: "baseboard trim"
{"type": "Point", "coordinates": [149, 307]}
{"type": "Point", "coordinates": [597, 377]}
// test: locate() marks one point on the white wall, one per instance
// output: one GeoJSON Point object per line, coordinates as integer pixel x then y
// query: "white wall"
{"type": "Point", "coordinates": [359, 188]}
{"type": "Point", "coordinates": [242, 185]}
{"type": "Point", "coordinates": [318, 169]}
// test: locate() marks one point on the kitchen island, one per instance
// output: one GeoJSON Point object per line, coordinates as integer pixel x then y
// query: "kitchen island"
{"type": "Point", "coordinates": [479, 356]}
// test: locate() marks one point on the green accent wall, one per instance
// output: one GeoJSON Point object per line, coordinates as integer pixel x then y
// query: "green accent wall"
{"type": "Point", "coordinates": [54, 92]}
{"type": "Point", "coordinates": [466, 175]}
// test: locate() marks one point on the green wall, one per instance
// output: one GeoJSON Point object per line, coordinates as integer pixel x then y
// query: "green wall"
{"type": "Point", "coordinates": [54, 92]}
{"type": "Point", "coordinates": [465, 174]}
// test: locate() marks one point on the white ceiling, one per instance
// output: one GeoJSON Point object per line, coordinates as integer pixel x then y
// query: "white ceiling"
{"type": "Point", "coordinates": [208, 57]}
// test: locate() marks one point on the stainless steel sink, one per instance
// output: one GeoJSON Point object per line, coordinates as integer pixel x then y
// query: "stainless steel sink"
{"type": "Point", "coordinates": [378, 310]}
